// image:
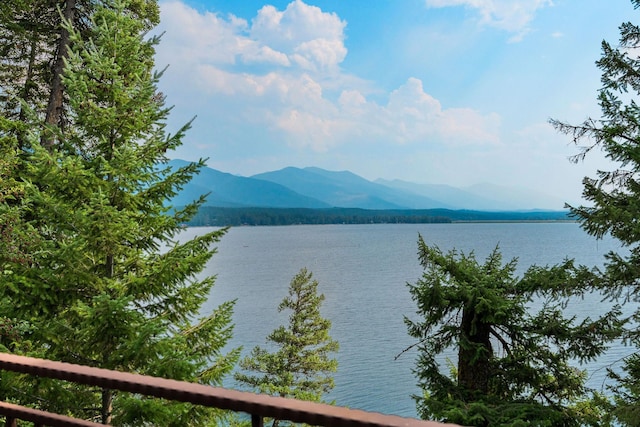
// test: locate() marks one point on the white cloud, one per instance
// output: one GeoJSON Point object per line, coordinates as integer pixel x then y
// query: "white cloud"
{"type": "Point", "coordinates": [193, 37]}
{"type": "Point", "coordinates": [301, 34]}
{"type": "Point", "coordinates": [312, 38]}
{"type": "Point", "coordinates": [280, 73]}
{"type": "Point", "coordinates": [510, 15]}
{"type": "Point", "coordinates": [320, 53]}
{"type": "Point", "coordinates": [265, 54]}
{"type": "Point", "coordinates": [419, 116]}
{"type": "Point", "coordinates": [307, 130]}
{"type": "Point", "coordinates": [411, 116]}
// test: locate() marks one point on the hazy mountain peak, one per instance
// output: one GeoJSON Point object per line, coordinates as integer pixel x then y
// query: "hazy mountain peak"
{"type": "Point", "coordinates": [313, 187]}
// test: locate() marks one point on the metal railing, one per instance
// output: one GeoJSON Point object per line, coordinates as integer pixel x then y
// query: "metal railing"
{"type": "Point", "coordinates": [259, 406]}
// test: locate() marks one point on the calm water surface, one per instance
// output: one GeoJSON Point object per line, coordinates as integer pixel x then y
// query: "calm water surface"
{"type": "Point", "coordinates": [363, 271]}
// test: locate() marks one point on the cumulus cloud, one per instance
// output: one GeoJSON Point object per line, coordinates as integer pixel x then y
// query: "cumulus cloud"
{"type": "Point", "coordinates": [411, 116]}
{"type": "Point", "coordinates": [301, 34]}
{"type": "Point", "coordinates": [419, 116]}
{"type": "Point", "coordinates": [312, 38]}
{"type": "Point", "coordinates": [279, 72]}
{"type": "Point", "coordinates": [510, 15]}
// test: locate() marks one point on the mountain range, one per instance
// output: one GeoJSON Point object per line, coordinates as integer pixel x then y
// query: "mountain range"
{"type": "Point", "coordinates": [316, 188]}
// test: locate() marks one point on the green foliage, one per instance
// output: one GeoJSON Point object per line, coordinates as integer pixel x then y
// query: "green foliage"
{"type": "Point", "coordinates": [219, 216]}
{"type": "Point", "coordinates": [28, 31]}
{"type": "Point", "coordinates": [301, 366]}
{"type": "Point", "coordinates": [30, 43]}
{"type": "Point", "coordinates": [614, 195]}
{"type": "Point", "coordinates": [513, 368]}
{"type": "Point", "coordinates": [98, 276]}
{"type": "Point", "coordinates": [17, 239]}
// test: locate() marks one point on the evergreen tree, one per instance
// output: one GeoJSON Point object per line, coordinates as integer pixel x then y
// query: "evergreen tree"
{"type": "Point", "coordinates": [26, 37]}
{"type": "Point", "coordinates": [513, 368]}
{"type": "Point", "coordinates": [301, 366]}
{"type": "Point", "coordinates": [108, 284]}
{"type": "Point", "coordinates": [614, 195]}
{"type": "Point", "coordinates": [34, 46]}
{"type": "Point", "coordinates": [17, 238]}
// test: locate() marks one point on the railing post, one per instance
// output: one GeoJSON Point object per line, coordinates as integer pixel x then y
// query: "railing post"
{"type": "Point", "coordinates": [11, 422]}
{"type": "Point", "coordinates": [256, 420]}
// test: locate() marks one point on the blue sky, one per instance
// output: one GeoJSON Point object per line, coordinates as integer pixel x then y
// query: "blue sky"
{"type": "Point", "coordinates": [454, 92]}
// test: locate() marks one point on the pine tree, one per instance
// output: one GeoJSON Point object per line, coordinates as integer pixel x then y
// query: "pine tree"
{"type": "Point", "coordinates": [513, 368]}
{"type": "Point", "coordinates": [34, 46]}
{"type": "Point", "coordinates": [25, 39]}
{"type": "Point", "coordinates": [614, 194]}
{"type": "Point", "coordinates": [109, 284]}
{"type": "Point", "coordinates": [17, 238]}
{"type": "Point", "coordinates": [301, 366]}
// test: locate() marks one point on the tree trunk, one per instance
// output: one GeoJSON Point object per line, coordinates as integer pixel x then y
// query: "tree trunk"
{"type": "Point", "coordinates": [107, 395]}
{"type": "Point", "coordinates": [474, 353]}
{"type": "Point", "coordinates": [28, 82]}
{"type": "Point", "coordinates": [53, 114]}
{"type": "Point", "coordinates": [107, 406]}
{"type": "Point", "coordinates": [27, 89]}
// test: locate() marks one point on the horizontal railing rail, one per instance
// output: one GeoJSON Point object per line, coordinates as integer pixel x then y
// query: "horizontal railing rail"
{"type": "Point", "coordinates": [259, 406]}
{"type": "Point", "coordinates": [12, 413]}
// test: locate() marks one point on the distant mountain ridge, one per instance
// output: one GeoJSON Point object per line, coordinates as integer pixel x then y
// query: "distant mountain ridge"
{"type": "Point", "coordinates": [227, 190]}
{"type": "Point", "coordinates": [317, 188]}
{"type": "Point", "coordinates": [345, 189]}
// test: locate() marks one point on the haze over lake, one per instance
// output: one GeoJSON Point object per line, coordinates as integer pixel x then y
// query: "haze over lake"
{"type": "Point", "coordinates": [363, 271]}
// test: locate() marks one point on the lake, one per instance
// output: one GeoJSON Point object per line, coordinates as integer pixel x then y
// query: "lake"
{"type": "Point", "coordinates": [363, 271]}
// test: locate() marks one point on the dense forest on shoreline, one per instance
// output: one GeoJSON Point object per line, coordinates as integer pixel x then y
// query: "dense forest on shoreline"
{"type": "Point", "coordinates": [218, 216]}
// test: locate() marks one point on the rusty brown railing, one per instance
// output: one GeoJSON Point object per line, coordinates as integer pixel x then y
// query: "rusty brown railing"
{"type": "Point", "coordinates": [12, 413]}
{"type": "Point", "coordinates": [259, 406]}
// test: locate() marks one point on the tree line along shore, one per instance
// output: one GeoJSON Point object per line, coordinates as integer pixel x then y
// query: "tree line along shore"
{"type": "Point", "coordinates": [223, 216]}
